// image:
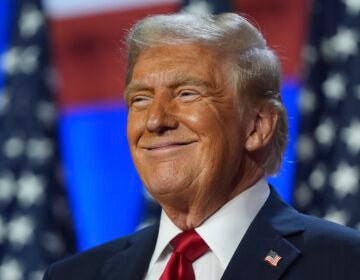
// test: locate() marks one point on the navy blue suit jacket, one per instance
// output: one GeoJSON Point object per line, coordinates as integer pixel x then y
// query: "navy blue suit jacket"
{"type": "Point", "coordinates": [310, 249]}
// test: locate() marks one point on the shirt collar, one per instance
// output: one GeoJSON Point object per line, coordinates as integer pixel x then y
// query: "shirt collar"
{"type": "Point", "coordinates": [224, 230]}
{"type": "Point", "coordinates": [233, 218]}
{"type": "Point", "coordinates": [167, 231]}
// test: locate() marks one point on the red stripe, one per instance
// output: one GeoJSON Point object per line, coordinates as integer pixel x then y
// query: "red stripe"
{"type": "Point", "coordinates": [87, 54]}
{"type": "Point", "coordinates": [284, 25]}
{"type": "Point", "coordinates": [87, 48]}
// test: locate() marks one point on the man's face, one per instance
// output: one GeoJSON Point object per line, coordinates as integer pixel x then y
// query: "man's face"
{"type": "Point", "coordinates": [185, 127]}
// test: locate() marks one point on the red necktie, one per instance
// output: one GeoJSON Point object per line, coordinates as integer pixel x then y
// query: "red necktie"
{"type": "Point", "coordinates": [188, 247]}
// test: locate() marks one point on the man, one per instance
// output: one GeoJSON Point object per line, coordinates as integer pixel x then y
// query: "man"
{"type": "Point", "coordinates": [205, 126]}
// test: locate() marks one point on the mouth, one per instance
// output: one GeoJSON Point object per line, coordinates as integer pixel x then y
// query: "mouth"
{"type": "Point", "coordinates": [167, 145]}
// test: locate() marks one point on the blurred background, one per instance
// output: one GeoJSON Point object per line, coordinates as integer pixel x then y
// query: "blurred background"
{"type": "Point", "coordinates": [67, 182]}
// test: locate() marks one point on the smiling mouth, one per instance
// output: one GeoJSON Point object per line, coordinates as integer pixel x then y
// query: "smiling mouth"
{"type": "Point", "coordinates": [167, 146]}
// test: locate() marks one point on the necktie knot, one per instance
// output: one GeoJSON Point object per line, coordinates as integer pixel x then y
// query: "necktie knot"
{"type": "Point", "coordinates": [190, 245]}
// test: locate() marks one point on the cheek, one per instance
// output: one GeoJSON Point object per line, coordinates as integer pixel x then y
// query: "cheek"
{"type": "Point", "coordinates": [135, 126]}
{"type": "Point", "coordinates": [210, 131]}
{"type": "Point", "coordinates": [221, 134]}
{"type": "Point", "coordinates": [202, 119]}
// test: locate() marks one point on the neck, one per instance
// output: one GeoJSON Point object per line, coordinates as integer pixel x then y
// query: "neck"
{"type": "Point", "coordinates": [188, 215]}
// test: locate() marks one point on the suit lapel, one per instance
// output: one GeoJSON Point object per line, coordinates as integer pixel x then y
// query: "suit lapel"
{"type": "Point", "coordinates": [268, 232]}
{"type": "Point", "coordinates": [132, 262]}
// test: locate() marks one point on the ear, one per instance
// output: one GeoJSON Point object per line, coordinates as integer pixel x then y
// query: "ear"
{"type": "Point", "coordinates": [261, 127]}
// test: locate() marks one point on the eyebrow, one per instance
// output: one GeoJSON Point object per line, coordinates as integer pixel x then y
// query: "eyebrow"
{"type": "Point", "coordinates": [135, 86]}
{"type": "Point", "coordinates": [178, 80]}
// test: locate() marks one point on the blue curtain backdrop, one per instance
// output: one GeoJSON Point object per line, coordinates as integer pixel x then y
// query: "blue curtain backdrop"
{"type": "Point", "coordinates": [106, 194]}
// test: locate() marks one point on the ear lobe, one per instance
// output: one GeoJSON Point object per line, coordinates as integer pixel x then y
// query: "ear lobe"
{"type": "Point", "coordinates": [262, 128]}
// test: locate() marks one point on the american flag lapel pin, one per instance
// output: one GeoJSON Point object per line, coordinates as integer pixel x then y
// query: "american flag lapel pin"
{"type": "Point", "coordinates": [272, 258]}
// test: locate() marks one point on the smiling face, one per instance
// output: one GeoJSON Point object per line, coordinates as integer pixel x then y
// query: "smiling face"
{"type": "Point", "coordinates": [186, 129]}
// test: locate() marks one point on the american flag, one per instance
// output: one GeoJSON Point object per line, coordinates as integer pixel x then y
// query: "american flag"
{"type": "Point", "coordinates": [34, 220]}
{"type": "Point", "coordinates": [328, 174]}
{"type": "Point", "coordinates": [272, 258]}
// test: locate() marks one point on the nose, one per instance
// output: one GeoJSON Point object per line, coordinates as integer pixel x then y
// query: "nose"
{"type": "Point", "coordinates": [161, 116]}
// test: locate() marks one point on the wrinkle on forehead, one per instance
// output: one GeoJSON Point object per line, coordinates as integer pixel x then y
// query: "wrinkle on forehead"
{"type": "Point", "coordinates": [170, 79]}
{"type": "Point", "coordinates": [187, 51]}
{"type": "Point", "coordinates": [162, 67]}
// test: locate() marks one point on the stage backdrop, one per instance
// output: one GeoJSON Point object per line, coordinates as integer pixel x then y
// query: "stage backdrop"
{"type": "Point", "coordinates": [107, 197]}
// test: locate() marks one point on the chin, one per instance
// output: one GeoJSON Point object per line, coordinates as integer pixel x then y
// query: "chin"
{"type": "Point", "coordinates": [163, 186]}
{"type": "Point", "coordinates": [169, 183]}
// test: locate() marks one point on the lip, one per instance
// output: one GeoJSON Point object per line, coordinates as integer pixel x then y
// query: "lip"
{"type": "Point", "coordinates": [163, 146]}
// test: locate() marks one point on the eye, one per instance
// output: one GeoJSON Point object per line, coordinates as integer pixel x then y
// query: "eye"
{"type": "Point", "coordinates": [188, 95]}
{"type": "Point", "coordinates": [140, 101]}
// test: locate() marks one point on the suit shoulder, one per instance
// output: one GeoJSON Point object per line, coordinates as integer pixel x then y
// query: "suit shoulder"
{"type": "Point", "coordinates": [322, 234]}
{"type": "Point", "coordinates": [328, 250]}
{"type": "Point", "coordinates": [88, 264]}
{"type": "Point", "coordinates": [321, 226]}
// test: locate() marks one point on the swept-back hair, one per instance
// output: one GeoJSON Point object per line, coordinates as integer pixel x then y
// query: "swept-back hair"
{"type": "Point", "coordinates": [254, 67]}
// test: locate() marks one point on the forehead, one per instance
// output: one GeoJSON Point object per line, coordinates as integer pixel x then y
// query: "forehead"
{"type": "Point", "coordinates": [177, 52]}
{"type": "Point", "coordinates": [165, 63]}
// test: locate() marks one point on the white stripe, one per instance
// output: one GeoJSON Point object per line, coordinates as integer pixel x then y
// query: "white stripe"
{"type": "Point", "coordinates": [73, 8]}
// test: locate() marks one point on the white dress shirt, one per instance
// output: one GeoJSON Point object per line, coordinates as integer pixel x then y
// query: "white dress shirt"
{"type": "Point", "coordinates": [222, 231]}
